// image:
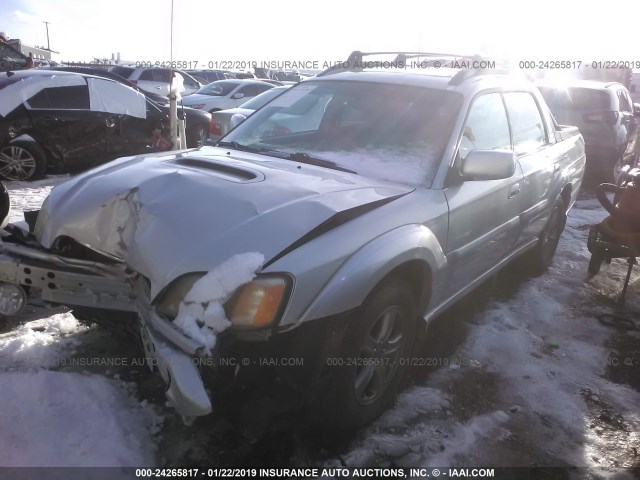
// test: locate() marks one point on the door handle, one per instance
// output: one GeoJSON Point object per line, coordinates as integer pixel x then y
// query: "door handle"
{"type": "Point", "coordinates": [514, 191]}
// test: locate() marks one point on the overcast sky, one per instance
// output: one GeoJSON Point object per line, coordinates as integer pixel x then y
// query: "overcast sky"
{"type": "Point", "coordinates": [255, 30]}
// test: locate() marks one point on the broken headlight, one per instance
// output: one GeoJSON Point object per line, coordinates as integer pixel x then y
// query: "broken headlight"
{"type": "Point", "coordinates": [256, 304]}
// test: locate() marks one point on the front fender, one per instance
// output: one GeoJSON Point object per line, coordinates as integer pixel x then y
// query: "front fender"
{"type": "Point", "coordinates": [354, 280]}
{"type": "Point", "coordinates": [25, 137]}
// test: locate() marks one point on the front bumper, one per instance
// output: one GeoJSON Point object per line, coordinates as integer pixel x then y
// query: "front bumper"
{"type": "Point", "coordinates": [82, 283]}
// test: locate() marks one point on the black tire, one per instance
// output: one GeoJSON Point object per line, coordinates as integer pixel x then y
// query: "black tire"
{"type": "Point", "coordinates": [5, 205]}
{"type": "Point", "coordinates": [197, 137]}
{"type": "Point", "coordinates": [22, 161]}
{"type": "Point", "coordinates": [594, 263]}
{"type": "Point", "coordinates": [382, 333]}
{"type": "Point", "coordinates": [541, 257]}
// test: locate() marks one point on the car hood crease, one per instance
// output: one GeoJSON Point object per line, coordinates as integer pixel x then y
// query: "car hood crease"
{"type": "Point", "coordinates": [164, 218]}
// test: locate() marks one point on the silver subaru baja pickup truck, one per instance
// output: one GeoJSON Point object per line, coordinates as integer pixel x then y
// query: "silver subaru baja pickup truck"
{"type": "Point", "coordinates": [330, 226]}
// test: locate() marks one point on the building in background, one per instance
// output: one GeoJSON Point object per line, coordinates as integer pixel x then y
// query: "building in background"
{"type": "Point", "coordinates": [11, 58]}
{"type": "Point", "coordinates": [36, 53]}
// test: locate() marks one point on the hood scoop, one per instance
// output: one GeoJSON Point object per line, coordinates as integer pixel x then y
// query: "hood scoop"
{"type": "Point", "coordinates": [223, 170]}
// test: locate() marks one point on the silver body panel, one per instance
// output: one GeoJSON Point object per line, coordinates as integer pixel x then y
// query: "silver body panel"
{"type": "Point", "coordinates": [164, 216]}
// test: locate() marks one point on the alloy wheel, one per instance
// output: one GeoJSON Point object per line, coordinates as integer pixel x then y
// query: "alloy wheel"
{"type": "Point", "coordinates": [16, 163]}
{"type": "Point", "coordinates": [378, 360]}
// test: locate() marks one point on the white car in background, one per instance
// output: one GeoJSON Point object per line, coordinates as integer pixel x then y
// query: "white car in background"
{"type": "Point", "coordinates": [224, 120]}
{"type": "Point", "coordinates": [224, 94]}
{"type": "Point", "coordinates": [156, 80]}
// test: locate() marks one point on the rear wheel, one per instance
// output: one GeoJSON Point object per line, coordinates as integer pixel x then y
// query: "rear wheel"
{"type": "Point", "coordinates": [370, 371]}
{"type": "Point", "coordinates": [541, 257]}
{"type": "Point", "coordinates": [22, 161]}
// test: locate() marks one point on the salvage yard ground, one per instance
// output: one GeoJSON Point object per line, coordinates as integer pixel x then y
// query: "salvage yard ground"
{"type": "Point", "coordinates": [524, 372]}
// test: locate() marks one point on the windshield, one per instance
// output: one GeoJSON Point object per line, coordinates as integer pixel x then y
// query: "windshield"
{"type": "Point", "coordinates": [219, 88]}
{"type": "Point", "coordinates": [391, 132]}
{"type": "Point", "coordinates": [257, 102]}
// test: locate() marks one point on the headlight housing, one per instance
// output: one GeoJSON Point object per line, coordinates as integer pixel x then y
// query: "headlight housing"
{"type": "Point", "coordinates": [257, 304]}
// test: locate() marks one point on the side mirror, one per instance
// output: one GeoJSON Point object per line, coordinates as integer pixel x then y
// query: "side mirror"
{"type": "Point", "coordinates": [238, 96]}
{"type": "Point", "coordinates": [636, 109]}
{"type": "Point", "coordinates": [488, 165]}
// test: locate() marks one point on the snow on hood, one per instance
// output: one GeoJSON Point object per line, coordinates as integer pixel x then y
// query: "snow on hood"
{"type": "Point", "coordinates": [201, 314]}
{"type": "Point", "coordinates": [167, 215]}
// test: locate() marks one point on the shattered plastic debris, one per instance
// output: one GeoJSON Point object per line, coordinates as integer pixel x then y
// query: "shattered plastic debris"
{"type": "Point", "coordinates": [201, 314]}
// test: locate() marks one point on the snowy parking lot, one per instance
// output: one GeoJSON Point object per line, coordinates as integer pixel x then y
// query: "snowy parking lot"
{"type": "Point", "coordinates": [525, 372]}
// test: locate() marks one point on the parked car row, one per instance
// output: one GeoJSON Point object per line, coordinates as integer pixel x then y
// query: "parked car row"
{"type": "Point", "coordinates": [63, 121]}
{"type": "Point", "coordinates": [222, 121]}
{"type": "Point", "coordinates": [224, 94]}
{"type": "Point", "coordinates": [607, 118]}
{"type": "Point", "coordinates": [156, 80]}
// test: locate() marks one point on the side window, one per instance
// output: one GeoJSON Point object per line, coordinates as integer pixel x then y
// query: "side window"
{"type": "Point", "coordinates": [526, 123]}
{"type": "Point", "coordinates": [61, 98]}
{"type": "Point", "coordinates": [625, 105]}
{"type": "Point", "coordinates": [629, 99]}
{"type": "Point", "coordinates": [486, 127]}
{"type": "Point", "coordinates": [250, 91]}
{"type": "Point", "coordinates": [40, 100]}
{"type": "Point", "coordinates": [156, 75]}
{"type": "Point", "coordinates": [146, 75]}
{"type": "Point", "coordinates": [263, 88]}
{"type": "Point", "coordinates": [187, 81]}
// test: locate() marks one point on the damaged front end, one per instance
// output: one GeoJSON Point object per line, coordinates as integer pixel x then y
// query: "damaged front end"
{"type": "Point", "coordinates": [183, 246]}
{"type": "Point", "coordinates": [27, 270]}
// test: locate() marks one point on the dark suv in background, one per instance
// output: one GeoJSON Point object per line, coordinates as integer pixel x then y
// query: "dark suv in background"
{"type": "Point", "coordinates": [606, 117]}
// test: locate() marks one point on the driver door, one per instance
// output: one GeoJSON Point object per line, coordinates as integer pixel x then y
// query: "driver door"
{"type": "Point", "coordinates": [483, 214]}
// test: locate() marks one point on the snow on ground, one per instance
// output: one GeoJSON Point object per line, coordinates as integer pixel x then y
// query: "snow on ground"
{"type": "Point", "coordinates": [39, 344]}
{"type": "Point", "coordinates": [27, 196]}
{"type": "Point", "coordinates": [70, 419]}
{"type": "Point", "coordinates": [52, 416]}
{"type": "Point", "coordinates": [526, 374]}
{"type": "Point", "coordinates": [530, 384]}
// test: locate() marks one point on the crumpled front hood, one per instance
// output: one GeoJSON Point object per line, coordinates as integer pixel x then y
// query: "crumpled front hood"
{"type": "Point", "coordinates": [167, 215]}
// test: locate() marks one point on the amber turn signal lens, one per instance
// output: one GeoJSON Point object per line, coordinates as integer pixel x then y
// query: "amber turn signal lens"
{"type": "Point", "coordinates": [258, 302]}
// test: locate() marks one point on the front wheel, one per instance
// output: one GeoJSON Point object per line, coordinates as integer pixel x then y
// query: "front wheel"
{"type": "Point", "coordinates": [364, 379]}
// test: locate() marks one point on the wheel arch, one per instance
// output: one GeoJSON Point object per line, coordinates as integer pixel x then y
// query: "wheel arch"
{"type": "Point", "coordinates": [566, 195]}
{"type": "Point", "coordinates": [418, 276]}
{"type": "Point", "coordinates": [411, 252]}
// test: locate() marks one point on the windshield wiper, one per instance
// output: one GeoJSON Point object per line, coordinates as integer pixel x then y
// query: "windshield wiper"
{"type": "Point", "coordinates": [238, 146]}
{"type": "Point", "coordinates": [300, 157]}
{"type": "Point", "coordinates": [318, 162]}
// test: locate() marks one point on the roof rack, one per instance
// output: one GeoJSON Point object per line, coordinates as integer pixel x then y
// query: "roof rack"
{"type": "Point", "coordinates": [356, 63]}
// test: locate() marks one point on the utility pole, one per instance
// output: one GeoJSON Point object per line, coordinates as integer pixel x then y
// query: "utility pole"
{"type": "Point", "coordinates": [47, 24]}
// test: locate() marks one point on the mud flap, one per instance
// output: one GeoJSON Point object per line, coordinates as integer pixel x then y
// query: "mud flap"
{"type": "Point", "coordinates": [185, 390]}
